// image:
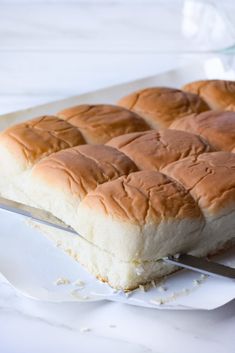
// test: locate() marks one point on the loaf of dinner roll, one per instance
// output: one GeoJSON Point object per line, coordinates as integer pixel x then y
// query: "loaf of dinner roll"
{"type": "Point", "coordinates": [160, 106]}
{"type": "Point", "coordinates": [210, 179]}
{"type": "Point", "coordinates": [216, 127]}
{"type": "Point", "coordinates": [154, 149]}
{"type": "Point", "coordinates": [218, 94]}
{"type": "Point", "coordinates": [133, 193]}
{"type": "Point", "coordinates": [59, 182]}
{"type": "Point", "coordinates": [101, 122]}
{"type": "Point", "coordinates": [139, 218]}
{"type": "Point", "coordinates": [24, 144]}
{"type": "Point", "coordinates": [129, 224]}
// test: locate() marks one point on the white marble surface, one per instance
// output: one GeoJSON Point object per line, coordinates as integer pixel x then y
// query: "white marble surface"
{"type": "Point", "coordinates": [50, 50]}
{"type": "Point", "coordinates": [29, 326]}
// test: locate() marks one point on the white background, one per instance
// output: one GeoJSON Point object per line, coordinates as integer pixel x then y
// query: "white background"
{"type": "Point", "coordinates": [50, 50]}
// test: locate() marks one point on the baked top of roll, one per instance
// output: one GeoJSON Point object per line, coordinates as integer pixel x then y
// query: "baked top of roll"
{"type": "Point", "coordinates": [160, 106]}
{"type": "Point", "coordinates": [143, 197]}
{"type": "Point", "coordinates": [76, 171]}
{"type": "Point", "coordinates": [153, 150]}
{"type": "Point", "coordinates": [216, 127]}
{"type": "Point", "coordinates": [210, 178]}
{"type": "Point", "coordinates": [99, 123]}
{"type": "Point", "coordinates": [218, 94]}
{"type": "Point", "coordinates": [23, 144]}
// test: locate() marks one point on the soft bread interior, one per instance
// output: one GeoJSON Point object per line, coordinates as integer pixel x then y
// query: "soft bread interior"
{"type": "Point", "coordinates": [125, 275]}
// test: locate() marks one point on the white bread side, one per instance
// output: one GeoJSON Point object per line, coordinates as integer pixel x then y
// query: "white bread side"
{"type": "Point", "coordinates": [103, 265]}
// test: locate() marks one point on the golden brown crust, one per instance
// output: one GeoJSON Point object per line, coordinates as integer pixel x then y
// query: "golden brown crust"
{"type": "Point", "coordinates": [99, 123]}
{"type": "Point", "coordinates": [143, 197]}
{"type": "Point", "coordinates": [218, 94]}
{"type": "Point", "coordinates": [210, 178]}
{"type": "Point", "coordinates": [37, 138]}
{"type": "Point", "coordinates": [80, 169]}
{"type": "Point", "coordinates": [216, 127]}
{"type": "Point", "coordinates": [153, 150]}
{"type": "Point", "coordinates": [160, 106]}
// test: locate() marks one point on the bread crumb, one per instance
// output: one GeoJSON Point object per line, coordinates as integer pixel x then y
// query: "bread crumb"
{"type": "Point", "coordinates": [62, 281]}
{"type": "Point", "coordinates": [76, 293]}
{"type": "Point", "coordinates": [85, 297]}
{"type": "Point", "coordinates": [139, 270]}
{"type": "Point", "coordinates": [162, 289]}
{"type": "Point", "coordinates": [202, 276]}
{"type": "Point", "coordinates": [157, 301]}
{"type": "Point", "coordinates": [196, 282]}
{"type": "Point", "coordinates": [173, 296]}
{"type": "Point", "coordinates": [127, 294]}
{"type": "Point", "coordinates": [79, 283]}
{"type": "Point", "coordinates": [85, 329]}
{"type": "Point", "coordinates": [142, 288]}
